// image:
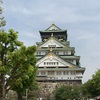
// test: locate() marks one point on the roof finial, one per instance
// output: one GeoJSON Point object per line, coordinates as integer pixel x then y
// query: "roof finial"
{"type": "Point", "coordinates": [52, 22]}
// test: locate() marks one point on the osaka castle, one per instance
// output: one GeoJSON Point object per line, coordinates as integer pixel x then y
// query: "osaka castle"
{"type": "Point", "coordinates": [57, 62]}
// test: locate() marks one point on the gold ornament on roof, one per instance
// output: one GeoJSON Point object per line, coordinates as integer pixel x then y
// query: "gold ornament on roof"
{"type": "Point", "coordinates": [52, 35]}
{"type": "Point", "coordinates": [72, 66]}
{"type": "Point", "coordinates": [50, 49]}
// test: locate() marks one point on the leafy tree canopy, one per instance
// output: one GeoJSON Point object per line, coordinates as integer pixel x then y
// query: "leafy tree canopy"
{"type": "Point", "coordinates": [67, 92]}
{"type": "Point", "coordinates": [2, 21]}
{"type": "Point", "coordinates": [17, 64]}
{"type": "Point", "coordinates": [92, 87]}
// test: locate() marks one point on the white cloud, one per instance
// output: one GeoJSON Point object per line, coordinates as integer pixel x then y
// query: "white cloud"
{"type": "Point", "coordinates": [20, 10]}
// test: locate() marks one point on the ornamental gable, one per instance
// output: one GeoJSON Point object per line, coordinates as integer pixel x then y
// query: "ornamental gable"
{"type": "Point", "coordinates": [53, 60]}
{"type": "Point", "coordinates": [52, 42]}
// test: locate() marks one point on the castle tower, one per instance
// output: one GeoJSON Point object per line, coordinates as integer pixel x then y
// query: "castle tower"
{"type": "Point", "coordinates": [57, 62]}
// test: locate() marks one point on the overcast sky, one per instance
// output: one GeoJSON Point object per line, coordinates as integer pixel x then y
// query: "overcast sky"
{"type": "Point", "coordinates": [80, 17]}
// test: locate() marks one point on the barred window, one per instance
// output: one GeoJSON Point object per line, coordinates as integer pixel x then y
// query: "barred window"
{"type": "Point", "coordinates": [65, 73]}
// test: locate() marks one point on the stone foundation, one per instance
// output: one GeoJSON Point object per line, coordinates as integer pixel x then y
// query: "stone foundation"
{"type": "Point", "coordinates": [47, 89]}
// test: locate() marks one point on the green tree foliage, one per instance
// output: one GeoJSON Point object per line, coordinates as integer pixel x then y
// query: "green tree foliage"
{"type": "Point", "coordinates": [26, 61]}
{"type": "Point", "coordinates": [8, 43]}
{"type": "Point", "coordinates": [67, 92]}
{"type": "Point", "coordinates": [96, 83]}
{"type": "Point", "coordinates": [17, 64]}
{"type": "Point", "coordinates": [92, 87]}
{"type": "Point", "coordinates": [2, 21]}
{"type": "Point", "coordinates": [87, 89]}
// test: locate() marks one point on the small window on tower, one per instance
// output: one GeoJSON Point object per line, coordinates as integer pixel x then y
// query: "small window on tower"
{"type": "Point", "coordinates": [38, 53]}
{"type": "Point", "coordinates": [65, 72]}
{"type": "Point", "coordinates": [42, 73]}
{"type": "Point", "coordinates": [59, 73]}
{"type": "Point", "coordinates": [73, 73]}
{"type": "Point", "coordinates": [51, 46]}
{"type": "Point", "coordinates": [44, 63]}
{"type": "Point", "coordinates": [57, 53]}
{"type": "Point", "coordinates": [64, 53]}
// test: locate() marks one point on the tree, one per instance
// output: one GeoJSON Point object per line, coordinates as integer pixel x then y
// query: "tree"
{"type": "Point", "coordinates": [17, 64]}
{"type": "Point", "coordinates": [91, 88]}
{"type": "Point", "coordinates": [67, 92]}
{"type": "Point", "coordinates": [27, 65]}
{"type": "Point", "coordinates": [96, 82]}
{"type": "Point", "coordinates": [87, 89]}
{"type": "Point", "coordinates": [2, 21]}
{"type": "Point", "coordinates": [8, 43]}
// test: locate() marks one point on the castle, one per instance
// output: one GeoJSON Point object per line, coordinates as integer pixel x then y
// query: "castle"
{"type": "Point", "coordinates": [57, 62]}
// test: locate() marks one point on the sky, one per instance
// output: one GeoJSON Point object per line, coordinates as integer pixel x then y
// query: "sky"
{"type": "Point", "coordinates": [81, 19]}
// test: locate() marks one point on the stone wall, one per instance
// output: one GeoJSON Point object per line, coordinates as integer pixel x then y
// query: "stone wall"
{"type": "Point", "coordinates": [47, 89]}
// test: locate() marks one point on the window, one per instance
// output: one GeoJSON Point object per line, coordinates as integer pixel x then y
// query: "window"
{"type": "Point", "coordinates": [59, 73]}
{"type": "Point", "coordinates": [64, 53]}
{"type": "Point", "coordinates": [51, 46]}
{"type": "Point", "coordinates": [65, 73]}
{"type": "Point", "coordinates": [57, 53]}
{"type": "Point", "coordinates": [42, 73]}
{"type": "Point", "coordinates": [38, 53]}
{"type": "Point", "coordinates": [73, 72]}
{"type": "Point", "coordinates": [44, 63]}
{"type": "Point", "coordinates": [51, 63]}
{"type": "Point", "coordinates": [50, 72]}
